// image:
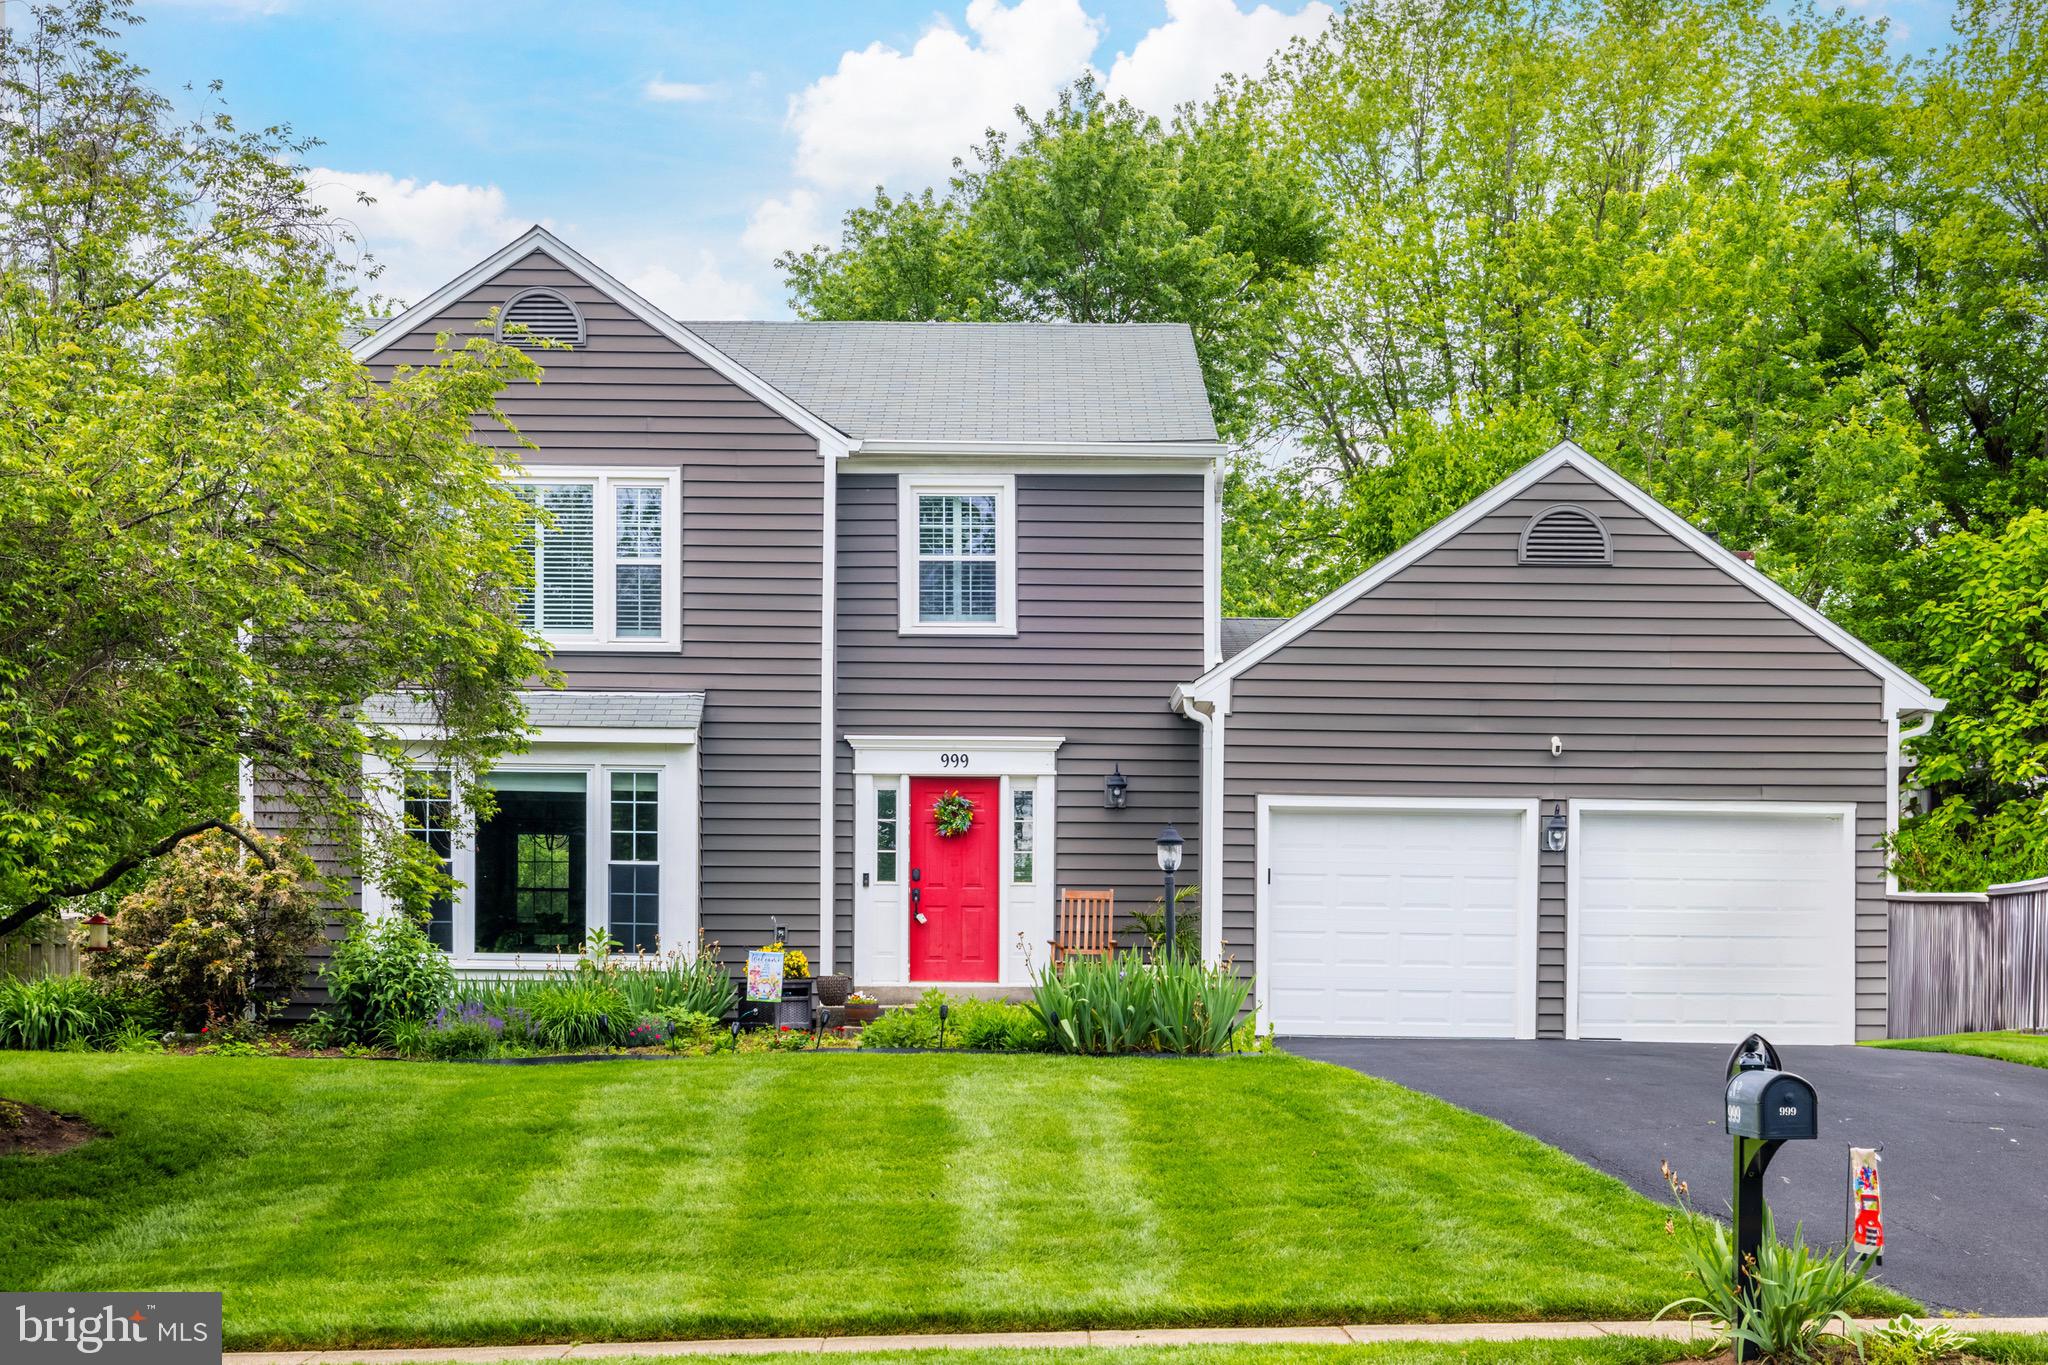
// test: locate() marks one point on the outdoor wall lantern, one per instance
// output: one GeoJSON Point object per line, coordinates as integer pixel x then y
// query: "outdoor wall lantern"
{"type": "Point", "coordinates": [1116, 789]}
{"type": "Point", "coordinates": [1170, 846]}
{"type": "Point", "coordinates": [96, 933]}
{"type": "Point", "coordinates": [1554, 827]}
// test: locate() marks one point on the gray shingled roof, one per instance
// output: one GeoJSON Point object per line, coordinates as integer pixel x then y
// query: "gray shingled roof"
{"type": "Point", "coordinates": [585, 710]}
{"type": "Point", "coordinates": [981, 381]}
{"type": "Point", "coordinates": [1242, 632]}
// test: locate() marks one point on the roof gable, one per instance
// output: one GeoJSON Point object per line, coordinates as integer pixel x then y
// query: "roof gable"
{"type": "Point", "coordinates": [1903, 692]}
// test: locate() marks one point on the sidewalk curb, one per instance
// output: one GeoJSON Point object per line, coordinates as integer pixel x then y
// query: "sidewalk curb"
{"type": "Point", "coordinates": [1355, 1334]}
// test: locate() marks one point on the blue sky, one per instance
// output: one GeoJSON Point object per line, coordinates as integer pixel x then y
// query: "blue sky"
{"type": "Point", "coordinates": [682, 145]}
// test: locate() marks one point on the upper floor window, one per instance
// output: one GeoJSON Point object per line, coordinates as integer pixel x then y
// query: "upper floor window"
{"type": "Point", "coordinates": [958, 555]}
{"type": "Point", "coordinates": [605, 564]}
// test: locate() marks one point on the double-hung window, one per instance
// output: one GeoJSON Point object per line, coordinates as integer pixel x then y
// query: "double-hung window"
{"type": "Point", "coordinates": [958, 555]}
{"type": "Point", "coordinates": [605, 560]}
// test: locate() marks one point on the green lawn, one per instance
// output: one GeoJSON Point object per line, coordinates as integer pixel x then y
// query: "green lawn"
{"type": "Point", "coordinates": [370, 1203]}
{"type": "Point", "coordinates": [2029, 1049]}
{"type": "Point", "coordinates": [1586, 1351]}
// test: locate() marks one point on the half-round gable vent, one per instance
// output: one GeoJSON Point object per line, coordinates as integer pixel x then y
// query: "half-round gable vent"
{"type": "Point", "coordinates": [1566, 535]}
{"type": "Point", "coordinates": [542, 314]}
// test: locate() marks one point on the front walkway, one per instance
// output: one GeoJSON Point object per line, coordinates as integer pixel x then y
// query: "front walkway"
{"type": "Point", "coordinates": [1187, 1336]}
{"type": "Point", "coordinates": [1965, 1141]}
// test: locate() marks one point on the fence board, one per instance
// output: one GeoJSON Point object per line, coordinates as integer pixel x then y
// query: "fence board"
{"type": "Point", "coordinates": [1968, 963]}
{"type": "Point", "coordinates": [28, 960]}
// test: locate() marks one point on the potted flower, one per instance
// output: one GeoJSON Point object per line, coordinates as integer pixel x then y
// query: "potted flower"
{"type": "Point", "coordinates": [795, 1009]}
{"type": "Point", "coordinates": [862, 1008]}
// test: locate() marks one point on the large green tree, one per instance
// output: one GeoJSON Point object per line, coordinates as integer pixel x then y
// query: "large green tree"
{"type": "Point", "coordinates": [217, 535]}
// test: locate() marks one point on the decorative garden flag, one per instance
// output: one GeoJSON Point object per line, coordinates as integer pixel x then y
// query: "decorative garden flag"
{"type": "Point", "coordinates": [764, 974]}
{"type": "Point", "coordinates": [1866, 1204]}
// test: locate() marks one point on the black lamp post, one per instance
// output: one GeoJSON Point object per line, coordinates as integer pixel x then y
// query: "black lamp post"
{"type": "Point", "coordinates": [1169, 843]}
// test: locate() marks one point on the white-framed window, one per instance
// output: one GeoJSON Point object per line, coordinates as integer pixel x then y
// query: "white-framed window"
{"type": "Point", "coordinates": [885, 834]}
{"type": "Point", "coordinates": [1023, 830]}
{"type": "Point", "coordinates": [957, 554]}
{"type": "Point", "coordinates": [634, 873]}
{"type": "Point", "coordinates": [605, 572]}
{"type": "Point", "coordinates": [430, 818]}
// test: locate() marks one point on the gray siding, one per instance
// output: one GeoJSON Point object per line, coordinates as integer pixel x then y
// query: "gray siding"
{"type": "Point", "coordinates": [1109, 618]}
{"type": "Point", "coordinates": [752, 580]}
{"type": "Point", "coordinates": [1666, 679]}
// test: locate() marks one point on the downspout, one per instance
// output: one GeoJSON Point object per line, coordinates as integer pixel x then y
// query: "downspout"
{"type": "Point", "coordinates": [1898, 739]}
{"type": "Point", "coordinates": [1209, 717]}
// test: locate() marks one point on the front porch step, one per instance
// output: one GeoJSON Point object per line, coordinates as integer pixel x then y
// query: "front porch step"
{"type": "Point", "coordinates": [910, 995]}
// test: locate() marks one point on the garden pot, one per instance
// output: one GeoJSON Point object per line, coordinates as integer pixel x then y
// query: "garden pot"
{"type": "Point", "coordinates": [833, 990]}
{"type": "Point", "coordinates": [861, 1014]}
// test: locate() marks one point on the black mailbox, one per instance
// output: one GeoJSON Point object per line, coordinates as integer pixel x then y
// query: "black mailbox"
{"type": "Point", "coordinates": [1774, 1105]}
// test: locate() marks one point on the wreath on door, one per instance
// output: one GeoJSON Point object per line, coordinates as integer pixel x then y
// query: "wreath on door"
{"type": "Point", "coordinates": [954, 813]}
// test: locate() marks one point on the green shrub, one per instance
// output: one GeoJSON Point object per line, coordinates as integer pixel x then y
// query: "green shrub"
{"type": "Point", "coordinates": [978, 1025]}
{"type": "Point", "coordinates": [1187, 923]}
{"type": "Point", "coordinates": [13, 1118]}
{"type": "Point", "coordinates": [1910, 1341]}
{"type": "Point", "coordinates": [214, 933]}
{"type": "Point", "coordinates": [1799, 1292]}
{"type": "Point", "coordinates": [386, 972]}
{"type": "Point", "coordinates": [52, 1012]}
{"type": "Point", "coordinates": [451, 1040]}
{"type": "Point", "coordinates": [693, 1031]}
{"type": "Point", "coordinates": [576, 1012]}
{"type": "Point", "coordinates": [694, 984]}
{"type": "Point", "coordinates": [1101, 1006]}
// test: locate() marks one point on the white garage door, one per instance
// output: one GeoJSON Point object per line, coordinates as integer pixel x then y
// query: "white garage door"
{"type": "Point", "coordinates": [1698, 925]}
{"type": "Point", "coordinates": [1382, 922]}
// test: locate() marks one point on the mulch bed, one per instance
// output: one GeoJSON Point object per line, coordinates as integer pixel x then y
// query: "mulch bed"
{"type": "Point", "coordinates": [40, 1131]}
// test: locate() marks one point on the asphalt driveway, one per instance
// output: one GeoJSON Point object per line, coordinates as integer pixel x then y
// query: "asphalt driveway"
{"type": "Point", "coordinates": [1965, 1141]}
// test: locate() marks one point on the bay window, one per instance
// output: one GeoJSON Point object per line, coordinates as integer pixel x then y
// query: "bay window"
{"type": "Point", "coordinates": [605, 561]}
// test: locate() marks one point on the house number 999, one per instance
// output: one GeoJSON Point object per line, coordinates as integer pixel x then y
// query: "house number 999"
{"type": "Point", "coordinates": [952, 760]}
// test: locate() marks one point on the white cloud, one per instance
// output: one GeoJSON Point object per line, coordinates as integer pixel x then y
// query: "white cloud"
{"type": "Point", "coordinates": [1183, 58]}
{"type": "Point", "coordinates": [702, 290]}
{"type": "Point", "coordinates": [676, 92]}
{"type": "Point", "coordinates": [795, 222]}
{"type": "Point", "coordinates": [892, 117]}
{"type": "Point", "coordinates": [423, 233]}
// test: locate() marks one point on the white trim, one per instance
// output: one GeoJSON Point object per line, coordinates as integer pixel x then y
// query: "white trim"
{"type": "Point", "coordinates": [954, 483]}
{"type": "Point", "coordinates": [604, 481]}
{"type": "Point", "coordinates": [582, 323]}
{"type": "Point", "coordinates": [539, 239]}
{"type": "Point", "coordinates": [619, 736]}
{"type": "Point", "coordinates": [828, 665]}
{"type": "Point", "coordinates": [2014, 888]}
{"type": "Point", "coordinates": [1212, 570]}
{"type": "Point", "coordinates": [1942, 897]}
{"type": "Point", "coordinates": [925, 755]}
{"type": "Point", "coordinates": [1843, 812]}
{"type": "Point", "coordinates": [1903, 692]}
{"type": "Point", "coordinates": [245, 789]}
{"type": "Point", "coordinates": [1526, 892]}
{"type": "Point", "coordinates": [560, 749]}
{"type": "Point", "coordinates": [951, 458]}
{"type": "Point", "coordinates": [1141, 450]}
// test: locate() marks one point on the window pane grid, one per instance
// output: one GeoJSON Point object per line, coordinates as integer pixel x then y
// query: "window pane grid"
{"type": "Point", "coordinates": [637, 575]}
{"type": "Point", "coordinates": [885, 835]}
{"type": "Point", "coordinates": [429, 819]}
{"type": "Point", "coordinates": [602, 569]}
{"type": "Point", "coordinates": [1023, 833]}
{"type": "Point", "coordinates": [564, 557]}
{"type": "Point", "coordinates": [635, 873]}
{"type": "Point", "coordinates": [956, 547]}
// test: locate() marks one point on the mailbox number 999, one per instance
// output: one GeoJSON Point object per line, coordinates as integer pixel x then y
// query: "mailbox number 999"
{"type": "Point", "coordinates": [952, 760]}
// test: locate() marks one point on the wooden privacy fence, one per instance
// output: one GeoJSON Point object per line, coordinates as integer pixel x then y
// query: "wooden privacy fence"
{"type": "Point", "coordinates": [1963, 963]}
{"type": "Point", "coordinates": [42, 958]}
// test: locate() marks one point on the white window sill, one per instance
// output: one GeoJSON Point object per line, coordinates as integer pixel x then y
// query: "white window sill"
{"type": "Point", "coordinates": [990, 628]}
{"type": "Point", "coordinates": [583, 644]}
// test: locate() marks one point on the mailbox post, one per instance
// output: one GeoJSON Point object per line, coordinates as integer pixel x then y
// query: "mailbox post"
{"type": "Point", "coordinates": [1767, 1108]}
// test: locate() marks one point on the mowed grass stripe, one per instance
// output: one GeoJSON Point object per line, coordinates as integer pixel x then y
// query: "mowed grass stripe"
{"type": "Point", "coordinates": [367, 1204]}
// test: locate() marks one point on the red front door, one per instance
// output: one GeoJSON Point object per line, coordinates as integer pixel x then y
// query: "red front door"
{"type": "Point", "coordinates": [954, 900]}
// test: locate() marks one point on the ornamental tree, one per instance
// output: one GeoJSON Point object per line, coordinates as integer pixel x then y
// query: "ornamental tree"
{"type": "Point", "coordinates": [217, 535]}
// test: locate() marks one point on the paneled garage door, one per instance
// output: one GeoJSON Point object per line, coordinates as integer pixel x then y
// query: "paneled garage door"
{"type": "Point", "coordinates": [1697, 924]}
{"type": "Point", "coordinates": [1380, 921]}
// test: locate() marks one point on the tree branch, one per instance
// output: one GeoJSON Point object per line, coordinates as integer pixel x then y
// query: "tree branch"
{"type": "Point", "coordinates": [14, 919]}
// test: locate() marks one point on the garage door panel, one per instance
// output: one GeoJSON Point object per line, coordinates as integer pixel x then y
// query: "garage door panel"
{"type": "Point", "coordinates": [1397, 922]}
{"type": "Point", "coordinates": [1700, 925]}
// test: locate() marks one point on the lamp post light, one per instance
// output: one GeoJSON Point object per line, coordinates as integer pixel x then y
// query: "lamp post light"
{"type": "Point", "coordinates": [1169, 844]}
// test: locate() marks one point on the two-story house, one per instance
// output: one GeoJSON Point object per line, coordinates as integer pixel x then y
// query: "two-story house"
{"type": "Point", "coordinates": [1562, 767]}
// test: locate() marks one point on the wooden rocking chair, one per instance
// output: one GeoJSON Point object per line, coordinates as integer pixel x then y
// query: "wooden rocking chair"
{"type": "Point", "coordinates": [1086, 926]}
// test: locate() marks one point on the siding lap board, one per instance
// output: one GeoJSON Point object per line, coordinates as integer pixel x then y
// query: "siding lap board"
{"type": "Point", "coordinates": [752, 578]}
{"type": "Point", "coordinates": [1666, 679]}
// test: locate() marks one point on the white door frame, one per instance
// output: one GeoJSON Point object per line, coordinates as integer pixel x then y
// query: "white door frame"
{"type": "Point", "coordinates": [881, 910]}
{"type": "Point", "coordinates": [1526, 891]}
{"type": "Point", "coordinates": [1843, 812]}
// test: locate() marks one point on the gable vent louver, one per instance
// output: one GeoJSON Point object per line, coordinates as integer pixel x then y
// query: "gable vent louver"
{"type": "Point", "coordinates": [540, 314]}
{"type": "Point", "coordinates": [1566, 535]}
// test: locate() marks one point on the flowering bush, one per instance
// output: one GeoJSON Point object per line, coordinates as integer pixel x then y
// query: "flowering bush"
{"type": "Point", "coordinates": [216, 933]}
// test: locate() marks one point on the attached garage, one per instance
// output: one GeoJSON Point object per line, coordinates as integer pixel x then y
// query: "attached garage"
{"type": "Point", "coordinates": [1561, 767]}
{"type": "Point", "coordinates": [1698, 922]}
{"type": "Point", "coordinates": [1399, 918]}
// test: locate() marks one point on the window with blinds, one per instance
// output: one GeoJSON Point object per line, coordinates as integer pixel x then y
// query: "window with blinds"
{"type": "Point", "coordinates": [956, 558]}
{"type": "Point", "coordinates": [604, 560]}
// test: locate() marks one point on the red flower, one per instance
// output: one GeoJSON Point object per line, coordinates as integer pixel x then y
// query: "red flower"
{"type": "Point", "coordinates": [785, 1028]}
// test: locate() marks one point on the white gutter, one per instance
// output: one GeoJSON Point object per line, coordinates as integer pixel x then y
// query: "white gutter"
{"type": "Point", "coordinates": [1206, 715]}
